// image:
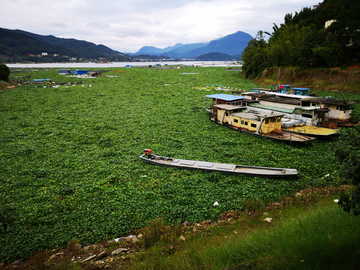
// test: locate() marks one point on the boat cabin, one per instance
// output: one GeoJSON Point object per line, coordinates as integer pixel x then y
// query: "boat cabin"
{"type": "Point", "coordinates": [284, 88]}
{"type": "Point", "coordinates": [222, 112]}
{"type": "Point", "coordinates": [311, 116]}
{"type": "Point", "coordinates": [337, 109]}
{"type": "Point", "coordinates": [225, 99]}
{"type": "Point", "coordinates": [237, 118]}
{"type": "Point", "coordinates": [300, 91]}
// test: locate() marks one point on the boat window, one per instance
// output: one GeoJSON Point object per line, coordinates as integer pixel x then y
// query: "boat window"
{"type": "Point", "coordinates": [236, 121]}
{"type": "Point", "coordinates": [307, 115]}
{"type": "Point", "coordinates": [266, 121]}
{"type": "Point", "coordinates": [279, 119]}
{"type": "Point", "coordinates": [228, 103]}
{"type": "Point", "coordinates": [246, 123]}
{"type": "Point", "coordinates": [227, 114]}
{"type": "Point", "coordinates": [242, 122]}
{"type": "Point", "coordinates": [253, 125]}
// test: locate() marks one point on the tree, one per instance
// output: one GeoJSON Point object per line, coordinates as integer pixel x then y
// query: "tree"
{"type": "Point", "coordinates": [4, 72]}
{"type": "Point", "coordinates": [348, 152]}
{"type": "Point", "coordinates": [303, 40]}
{"type": "Point", "coordinates": [255, 57]}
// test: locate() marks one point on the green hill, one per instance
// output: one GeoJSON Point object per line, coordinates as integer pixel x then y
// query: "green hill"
{"type": "Point", "coordinates": [18, 45]}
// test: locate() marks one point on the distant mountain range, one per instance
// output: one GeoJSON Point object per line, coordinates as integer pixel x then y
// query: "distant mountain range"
{"type": "Point", "coordinates": [232, 45]}
{"type": "Point", "coordinates": [18, 45]}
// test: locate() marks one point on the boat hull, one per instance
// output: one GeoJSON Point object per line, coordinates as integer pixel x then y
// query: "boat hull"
{"type": "Point", "coordinates": [220, 167]}
{"type": "Point", "coordinates": [318, 132]}
{"type": "Point", "coordinates": [283, 136]}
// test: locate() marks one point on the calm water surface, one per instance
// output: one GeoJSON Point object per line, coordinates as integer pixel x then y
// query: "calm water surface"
{"type": "Point", "coordinates": [124, 64]}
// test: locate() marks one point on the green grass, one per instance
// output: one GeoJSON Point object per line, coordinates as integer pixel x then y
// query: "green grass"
{"type": "Point", "coordinates": [320, 237]}
{"type": "Point", "coordinates": [70, 167]}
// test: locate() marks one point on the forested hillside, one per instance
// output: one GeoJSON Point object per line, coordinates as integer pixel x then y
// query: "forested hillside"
{"type": "Point", "coordinates": [304, 41]}
{"type": "Point", "coordinates": [21, 46]}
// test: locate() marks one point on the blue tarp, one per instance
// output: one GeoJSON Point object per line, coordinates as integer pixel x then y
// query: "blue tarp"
{"type": "Point", "coordinates": [41, 80]}
{"type": "Point", "coordinates": [301, 89]}
{"type": "Point", "coordinates": [79, 72]}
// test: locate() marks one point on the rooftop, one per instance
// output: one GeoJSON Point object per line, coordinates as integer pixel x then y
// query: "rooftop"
{"type": "Point", "coordinates": [228, 107]}
{"type": "Point", "coordinates": [225, 97]}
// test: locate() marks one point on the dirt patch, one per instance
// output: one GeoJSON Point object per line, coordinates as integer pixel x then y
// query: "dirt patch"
{"type": "Point", "coordinates": [7, 85]}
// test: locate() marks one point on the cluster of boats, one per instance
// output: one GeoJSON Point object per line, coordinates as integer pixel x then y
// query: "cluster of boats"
{"type": "Point", "coordinates": [284, 114]}
{"type": "Point", "coordinates": [287, 115]}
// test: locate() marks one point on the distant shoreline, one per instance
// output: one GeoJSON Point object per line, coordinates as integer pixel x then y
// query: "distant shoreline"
{"type": "Point", "coordinates": [125, 64]}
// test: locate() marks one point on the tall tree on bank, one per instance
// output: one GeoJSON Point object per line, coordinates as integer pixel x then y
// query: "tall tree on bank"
{"type": "Point", "coordinates": [304, 41]}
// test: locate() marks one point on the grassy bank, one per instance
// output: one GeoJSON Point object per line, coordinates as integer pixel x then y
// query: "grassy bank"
{"type": "Point", "coordinates": [70, 167]}
{"type": "Point", "coordinates": [321, 236]}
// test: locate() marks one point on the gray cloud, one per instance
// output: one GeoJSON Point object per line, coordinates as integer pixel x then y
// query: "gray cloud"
{"type": "Point", "coordinates": [128, 25]}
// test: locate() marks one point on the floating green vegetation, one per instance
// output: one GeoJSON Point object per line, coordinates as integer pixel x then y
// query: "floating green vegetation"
{"type": "Point", "coordinates": [70, 167]}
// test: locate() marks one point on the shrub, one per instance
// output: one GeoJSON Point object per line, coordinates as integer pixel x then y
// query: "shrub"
{"type": "Point", "coordinates": [4, 72]}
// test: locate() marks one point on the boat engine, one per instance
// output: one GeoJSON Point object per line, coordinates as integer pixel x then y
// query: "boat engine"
{"type": "Point", "coordinates": [148, 152]}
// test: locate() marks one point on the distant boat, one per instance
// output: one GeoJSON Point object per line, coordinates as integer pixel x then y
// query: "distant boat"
{"type": "Point", "coordinates": [42, 80]}
{"type": "Point", "coordinates": [148, 157]}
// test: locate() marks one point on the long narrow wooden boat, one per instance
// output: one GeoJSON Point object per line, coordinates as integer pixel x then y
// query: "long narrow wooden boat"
{"type": "Point", "coordinates": [218, 167]}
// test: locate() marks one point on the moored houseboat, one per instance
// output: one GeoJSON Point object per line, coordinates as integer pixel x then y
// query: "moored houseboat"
{"type": "Point", "coordinates": [259, 125]}
{"type": "Point", "coordinates": [339, 111]}
{"type": "Point", "coordinates": [325, 112]}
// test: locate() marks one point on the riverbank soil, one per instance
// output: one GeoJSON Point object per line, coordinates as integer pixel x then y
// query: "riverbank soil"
{"type": "Point", "coordinates": [333, 79]}
{"type": "Point", "coordinates": [7, 85]}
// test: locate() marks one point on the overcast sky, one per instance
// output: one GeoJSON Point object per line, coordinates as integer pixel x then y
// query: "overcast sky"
{"type": "Point", "coordinates": [128, 25]}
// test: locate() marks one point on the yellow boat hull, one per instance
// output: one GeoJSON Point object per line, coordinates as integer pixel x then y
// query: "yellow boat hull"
{"type": "Point", "coordinates": [313, 131]}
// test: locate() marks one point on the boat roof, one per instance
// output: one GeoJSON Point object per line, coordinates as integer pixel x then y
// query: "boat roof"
{"type": "Point", "coordinates": [329, 101]}
{"type": "Point", "coordinates": [225, 97]}
{"type": "Point", "coordinates": [246, 115]}
{"type": "Point", "coordinates": [266, 89]}
{"type": "Point", "coordinates": [228, 107]}
{"type": "Point", "coordinates": [272, 108]}
{"type": "Point", "coordinates": [277, 99]}
{"type": "Point", "coordinates": [257, 94]}
{"type": "Point", "coordinates": [256, 116]}
{"type": "Point", "coordinates": [291, 96]}
{"type": "Point", "coordinates": [301, 89]}
{"type": "Point", "coordinates": [311, 108]}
